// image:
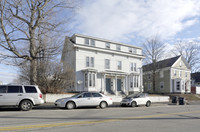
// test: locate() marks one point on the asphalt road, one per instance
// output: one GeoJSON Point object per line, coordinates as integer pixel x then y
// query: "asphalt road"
{"type": "Point", "coordinates": [160, 118]}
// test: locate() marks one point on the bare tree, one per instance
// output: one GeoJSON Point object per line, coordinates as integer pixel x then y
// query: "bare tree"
{"type": "Point", "coordinates": [24, 23]}
{"type": "Point", "coordinates": [190, 51]}
{"type": "Point", "coordinates": [153, 50]}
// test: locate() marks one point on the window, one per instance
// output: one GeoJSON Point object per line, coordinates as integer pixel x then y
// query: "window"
{"type": "Point", "coordinates": [174, 72]}
{"type": "Point", "coordinates": [89, 61]}
{"type": "Point", "coordinates": [118, 47]}
{"type": "Point", "coordinates": [132, 50]}
{"type": "Point", "coordinates": [14, 89]}
{"type": "Point", "coordinates": [93, 80]}
{"type": "Point", "coordinates": [149, 76]}
{"type": "Point", "coordinates": [87, 95]}
{"type": "Point", "coordinates": [180, 64]}
{"type": "Point", "coordinates": [30, 89]}
{"type": "Point", "coordinates": [180, 73]}
{"type": "Point", "coordinates": [131, 81]}
{"type": "Point", "coordinates": [86, 80]}
{"type": "Point", "coordinates": [92, 61]}
{"type": "Point", "coordinates": [90, 79]}
{"type": "Point", "coordinates": [161, 74]}
{"type": "Point", "coordinates": [136, 81]}
{"type": "Point", "coordinates": [2, 89]}
{"type": "Point", "coordinates": [149, 86]}
{"type": "Point", "coordinates": [107, 64]}
{"type": "Point", "coordinates": [96, 95]}
{"type": "Point", "coordinates": [186, 75]}
{"type": "Point", "coordinates": [161, 85]}
{"type": "Point", "coordinates": [178, 85]}
{"type": "Point", "coordinates": [86, 41]}
{"type": "Point", "coordinates": [108, 45]}
{"type": "Point", "coordinates": [92, 42]}
{"type": "Point", "coordinates": [133, 67]}
{"type": "Point", "coordinates": [119, 65]}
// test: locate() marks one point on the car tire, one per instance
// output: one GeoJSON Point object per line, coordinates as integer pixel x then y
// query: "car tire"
{"type": "Point", "coordinates": [123, 105]}
{"type": "Point", "coordinates": [103, 105]}
{"type": "Point", "coordinates": [26, 105]}
{"type": "Point", "coordinates": [148, 104]}
{"type": "Point", "coordinates": [133, 104]}
{"type": "Point", "coordinates": [70, 105]}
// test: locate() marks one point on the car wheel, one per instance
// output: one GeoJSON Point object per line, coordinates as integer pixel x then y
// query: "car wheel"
{"type": "Point", "coordinates": [133, 104]}
{"type": "Point", "coordinates": [148, 103]}
{"type": "Point", "coordinates": [123, 105]}
{"type": "Point", "coordinates": [26, 105]}
{"type": "Point", "coordinates": [70, 105]}
{"type": "Point", "coordinates": [103, 105]}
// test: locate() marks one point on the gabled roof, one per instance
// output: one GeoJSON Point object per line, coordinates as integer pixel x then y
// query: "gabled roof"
{"type": "Point", "coordinates": [161, 64]}
{"type": "Point", "coordinates": [196, 76]}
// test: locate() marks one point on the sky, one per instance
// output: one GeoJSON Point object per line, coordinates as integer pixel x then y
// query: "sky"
{"type": "Point", "coordinates": [131, 22]}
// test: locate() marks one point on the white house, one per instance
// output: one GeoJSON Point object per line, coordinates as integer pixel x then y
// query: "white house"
{"type": "Point", "coordinates": [102, 65]}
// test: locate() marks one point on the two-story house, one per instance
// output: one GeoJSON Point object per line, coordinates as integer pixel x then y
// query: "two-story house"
{"type": "Point", "coordinates": [172, 76]}
{"type": "Point", "coordinates": [195, 82]}
{"type": "Point", "coordinates": [102, 65]}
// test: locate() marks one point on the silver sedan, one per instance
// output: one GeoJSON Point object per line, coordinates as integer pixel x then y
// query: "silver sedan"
{"type": "Point", "coordinates": [84, 99]}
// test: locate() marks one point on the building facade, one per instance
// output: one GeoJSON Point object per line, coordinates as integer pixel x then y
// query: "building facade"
{"type": "Point", "coordinates": [195, 82]}
{"type": "Point", "coordinates": [102, 65]}
{"type": "Point", "coordinates": [172, 76]}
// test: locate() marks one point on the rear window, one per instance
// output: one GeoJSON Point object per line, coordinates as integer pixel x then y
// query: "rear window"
{"type": "Point", "coordinates": [14, 89]}
{"type": "Point", "coordinates": [2, 89]}
{"type": "Point", "coordinates": [30, 89]}
{"type": "Point", "coordinates": [96, 95]}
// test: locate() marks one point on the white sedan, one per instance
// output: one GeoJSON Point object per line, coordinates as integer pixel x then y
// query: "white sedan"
{"type": "Point", "coordinates": [84, 99]}
{"type": "Point", "coordinates": [136, 99]}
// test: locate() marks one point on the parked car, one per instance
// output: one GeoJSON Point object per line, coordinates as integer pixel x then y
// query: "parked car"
{"type": "Point", "coordinates": [136, 99]}
{"type": "Point", "coordinates": [22, 96]}
{"type": "Point", "coordinates": [84, 99]}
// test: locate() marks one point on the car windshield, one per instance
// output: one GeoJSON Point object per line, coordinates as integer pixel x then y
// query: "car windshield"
{"type": "Point", "coordinates": [76, 95]}
{"type": "Point", "coordinates": [132, 96]}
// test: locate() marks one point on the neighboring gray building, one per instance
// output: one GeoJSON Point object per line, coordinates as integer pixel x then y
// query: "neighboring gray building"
{"type": "Point", "coordinates": [195, 77]}
{"type": "Point", "coordinates": [102, 65]}
{"type": "Point", "coordinates": [172, 76]}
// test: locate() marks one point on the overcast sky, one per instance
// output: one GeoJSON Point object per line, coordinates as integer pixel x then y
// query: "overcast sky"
{"type": "Point", "coordinates": [131, 21]}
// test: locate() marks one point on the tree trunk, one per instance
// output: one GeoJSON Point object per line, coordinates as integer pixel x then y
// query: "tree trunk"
{"type": "Point", "coordinates": [33, 72]}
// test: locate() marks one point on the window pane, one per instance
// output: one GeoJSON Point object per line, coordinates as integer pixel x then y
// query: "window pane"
{"type": "Point", "coordinates": [90, 79]}
{"type": "Point", "coordinates": [119, 65]}
{"type": "Point", "coordinates": [96, 95]}
{"type": "Point", "coordinates": [92, 43]}
{"type": "Point", "coordinates": [107, 63]}
{"type": "Point", "coordinates": [92, 61]}
{"type": "Point", "coordinates": [87, 62]}
{"type": "Point", "coordinates": [14, 89]}
{"type": "Point", "coordinates": [86, 41]}
{"type": "Point", "coordinates": [2, 89]}
{"type": "Point", "coordinates": [30, 89]}
{"type": "Point", "coordinates": [108, 45]}
{"type": "Point", "coordinates": [118, 47]}
{"type": "Point", "coordinates": [130, 50]}
{"type": "Point", "coordinates": [86, 80]}
{"type": "Point", "coordinates": [93, 80]}
{"type": "Point", "coordinates": [85, 95]}
{"type": "Point", "coordinates": [131, 66]}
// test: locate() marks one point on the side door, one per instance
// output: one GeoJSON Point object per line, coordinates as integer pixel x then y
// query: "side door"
{"type": "Point", "coordinates": [2, 94]}
{"type": "Point", "coordinates": [96, 99]}
{"type": "Point", "coordinates": [14, 95]}
{"type": "Point", "coordinates": [84, 99]}
{"type": "Point", "coordinates": [141, 99]}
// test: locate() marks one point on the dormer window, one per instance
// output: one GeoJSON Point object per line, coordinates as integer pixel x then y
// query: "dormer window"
{"type": "Point", "coordinates": [107, 45]}
{"type": "Point", "coordinates": [132, 50]}
{"type": "Point", "coordinates": [118, 47]}
{"type": "Point", "coordinates": [180, 64]}
{"type": "Point", "coordinates": [89, 42]}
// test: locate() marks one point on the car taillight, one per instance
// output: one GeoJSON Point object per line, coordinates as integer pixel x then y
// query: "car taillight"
{"type": "Point", "coordinates": [40, 96]}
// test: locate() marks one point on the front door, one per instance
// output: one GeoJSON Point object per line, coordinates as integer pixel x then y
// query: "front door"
{"type": "Point", "coordinates": [119, 85]}
{"type": "Point", "coordinates": [108, 85]}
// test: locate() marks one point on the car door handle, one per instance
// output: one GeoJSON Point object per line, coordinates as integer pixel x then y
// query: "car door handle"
{"type": "Point", "coordinates": [1, 95]}
{"type": "Point", "coordinates": [19, 94]}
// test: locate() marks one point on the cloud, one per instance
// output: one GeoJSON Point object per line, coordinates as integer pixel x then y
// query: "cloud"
{"type": "Point", "coordinates": [123, 20]}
